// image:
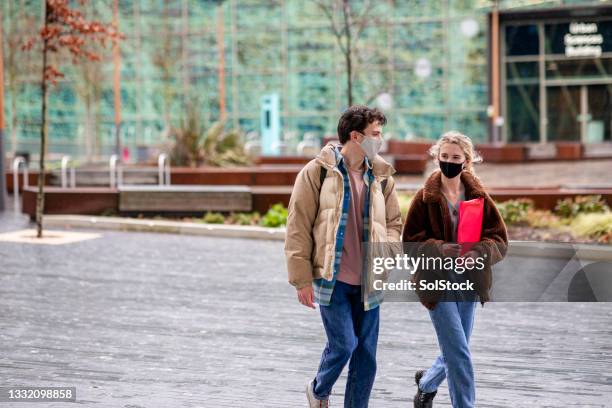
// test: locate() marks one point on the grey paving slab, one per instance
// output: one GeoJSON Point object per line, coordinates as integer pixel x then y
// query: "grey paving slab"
{"type": "Point", "coordinates": [10, 221]}
{"type": "Point", "coordinates": [161, 320]}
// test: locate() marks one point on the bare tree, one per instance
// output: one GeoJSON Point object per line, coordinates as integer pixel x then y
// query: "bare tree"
{"type": "Point", "coordinates": [64, 30]}
{"type": "Point", "coordinates": [90, 86]}
{"type": "Point", "coordinates": [347, 27]}
{"type": "Point", "coordinates": [166, 59]}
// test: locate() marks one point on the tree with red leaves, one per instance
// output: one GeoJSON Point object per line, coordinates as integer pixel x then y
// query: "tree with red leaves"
{"type": "Point", "coordinates": [64, 29]}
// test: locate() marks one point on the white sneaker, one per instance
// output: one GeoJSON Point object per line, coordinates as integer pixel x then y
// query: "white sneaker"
{"type": "Point", "coordinates": [313, 402]}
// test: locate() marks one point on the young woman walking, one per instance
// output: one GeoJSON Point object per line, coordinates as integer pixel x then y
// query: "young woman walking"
{"type": "Point", "coordinates": [433, 221]}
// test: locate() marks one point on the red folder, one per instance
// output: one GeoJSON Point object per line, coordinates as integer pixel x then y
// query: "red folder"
{"type": "Point", "coordinates": [470, 223]}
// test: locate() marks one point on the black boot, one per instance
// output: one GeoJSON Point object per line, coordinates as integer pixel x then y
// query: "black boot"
{"type": "Point", "coordinates": [422, 399]}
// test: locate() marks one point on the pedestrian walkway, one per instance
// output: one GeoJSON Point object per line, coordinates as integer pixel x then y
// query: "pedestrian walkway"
{"type": "Point", "coordinates": [161, 320]}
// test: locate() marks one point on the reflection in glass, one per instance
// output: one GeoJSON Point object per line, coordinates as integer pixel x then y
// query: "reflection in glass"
{"type": "Point", "coordinates": [522, 70]}
{"type": "Point", "coordinates": [523, 113]}
{"type": "Point", "coordinates": [522, 40]}
{"type": "Point", "coordinates": [579, 68]}
{"type": "Point", "coordinates": [599, 126]}
{"type": "Point", "coordinates": [563, 112]}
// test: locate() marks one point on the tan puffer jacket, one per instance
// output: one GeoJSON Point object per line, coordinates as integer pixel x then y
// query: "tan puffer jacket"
{"type": "Point", "coordinates": [314, 216]}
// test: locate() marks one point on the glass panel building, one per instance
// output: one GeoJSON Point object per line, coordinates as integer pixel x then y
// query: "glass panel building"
{"type": "Point", "coordinates": [557, 75]}
{"type": "Point", "coordinates": [425, 62]}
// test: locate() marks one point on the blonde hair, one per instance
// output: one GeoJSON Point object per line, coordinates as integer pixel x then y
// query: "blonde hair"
{"type": "Point", "coordinates": [461, 140]}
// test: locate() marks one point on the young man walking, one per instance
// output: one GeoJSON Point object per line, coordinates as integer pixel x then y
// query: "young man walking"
{"type": "Point", "coordinates": [343, 197]}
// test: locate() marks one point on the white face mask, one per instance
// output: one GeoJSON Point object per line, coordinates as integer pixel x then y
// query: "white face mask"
{"type": "Point", "coordinates": [370, 146]}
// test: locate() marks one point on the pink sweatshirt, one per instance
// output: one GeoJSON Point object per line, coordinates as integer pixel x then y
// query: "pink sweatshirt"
{"type": "Point", "coordinates": [351, 263]}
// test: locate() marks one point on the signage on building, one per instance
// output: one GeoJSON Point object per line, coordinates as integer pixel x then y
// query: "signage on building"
{"type": "Point", "coordinates": [583, 40]}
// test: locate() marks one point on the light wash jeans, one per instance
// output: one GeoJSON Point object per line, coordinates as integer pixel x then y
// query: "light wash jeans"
{"type": "Point", "coordinates": [453, 322]}
{"type": "Point", "coordinates": [352, 335]}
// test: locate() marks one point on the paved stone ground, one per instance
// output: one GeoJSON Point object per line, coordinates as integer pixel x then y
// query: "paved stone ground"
{"type": "Point", "coordinates": [583, 173]}
{"type": "Point", "coordinates": [152, 320]}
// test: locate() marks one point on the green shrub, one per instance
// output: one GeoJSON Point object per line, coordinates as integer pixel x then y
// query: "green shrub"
{"type": "Point", "coordinates": [244, 218]}
{"type": "Point", "coordinates": [564, 208]}
{"type": "Point", "coordinates": [213, 218]}
{"type": "Point", "coordinates": [544, 219]}
{"type": "Point", "coordinates": [515, 211]}
{"type": "Point", "coordinates": [275, 217]}
{"type": "Point", "coordinates": [594, 225]}
{"type": "Point", "coordinates": [109, 212]}
{"type": "Point", "coordinates": [569, 208]}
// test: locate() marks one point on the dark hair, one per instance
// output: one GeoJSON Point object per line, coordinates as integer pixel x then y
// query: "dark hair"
{"type": "Point", "coordinates": [358, 117]}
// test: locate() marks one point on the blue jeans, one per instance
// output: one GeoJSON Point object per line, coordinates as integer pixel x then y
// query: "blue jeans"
{"type": "Point", "coordinates": [352, 334]}
{"type": "Point", "coordinates": [453, 322]}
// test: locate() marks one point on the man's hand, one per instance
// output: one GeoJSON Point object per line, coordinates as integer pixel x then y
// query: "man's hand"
{"type": "Point", "coordinates": [306, 296]}
{"type": "Point", "coordinates": [451, 250]}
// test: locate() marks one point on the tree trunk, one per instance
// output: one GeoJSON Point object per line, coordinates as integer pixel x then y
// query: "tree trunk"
{"type": "Point", "coordinates": [87, 131]}
{"type": "Point", "coordinates": [221, 65]}
{"type": "Point", "coordinates": [40, 198]}
{"type": "Point", "coordinates": [13, 123]}
{"type": "Point", "coordinates": [117, 85]}
{"type": "Point", "coordinates": [349, 78]}
{"type": "Point", "coordinates": [348, 55]}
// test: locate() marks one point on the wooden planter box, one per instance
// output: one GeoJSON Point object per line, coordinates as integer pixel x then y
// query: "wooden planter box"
{"type": "Point", "coordinates": [328, 139]}
{"type": "Point", "coordinates": [246, 176]}
{"type": "Point", "coordinates": [410, 163]}
{"type": "Point", "coordinates": [282, 160]}
{"type": "Point", "coordinates": [511, 153]}
{"type": "Point", "coordinates": [569, 150]}
{"type": "Point", "coordinates": [32, 180]}
{"type": "Point", "coordinates": [79, 200]}
{"type": "Point", "coordinates": [179, 199]}
{"type": "Point", "coordinates": [400, 147]}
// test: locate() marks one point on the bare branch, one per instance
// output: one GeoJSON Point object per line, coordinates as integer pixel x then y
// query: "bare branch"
{"type": "Point", "coordinates": [362, 21]}
{"type": "Point", "coordinates": [330, 14]}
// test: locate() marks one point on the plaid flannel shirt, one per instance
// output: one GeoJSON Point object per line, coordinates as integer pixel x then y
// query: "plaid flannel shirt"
{"type": "Point", "coordinates": [323, 288]}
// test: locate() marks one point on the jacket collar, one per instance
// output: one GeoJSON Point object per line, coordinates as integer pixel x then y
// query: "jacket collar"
{"type": "Point", "coordinates": [330, 156]}
{"type": "Point", "coordinates": [432, 190]}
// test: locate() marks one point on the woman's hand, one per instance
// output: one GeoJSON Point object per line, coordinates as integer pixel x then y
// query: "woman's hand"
{"type": "Point", "coordinates": [306, 296]}
{"type": "Point", "coordinates": [471, 254]}
{"type": "Point", "coordinates": [451, 250]}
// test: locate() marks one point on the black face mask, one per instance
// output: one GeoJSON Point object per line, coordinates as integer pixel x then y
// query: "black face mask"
{"type": "Point", "coordinates": [451, 170]}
